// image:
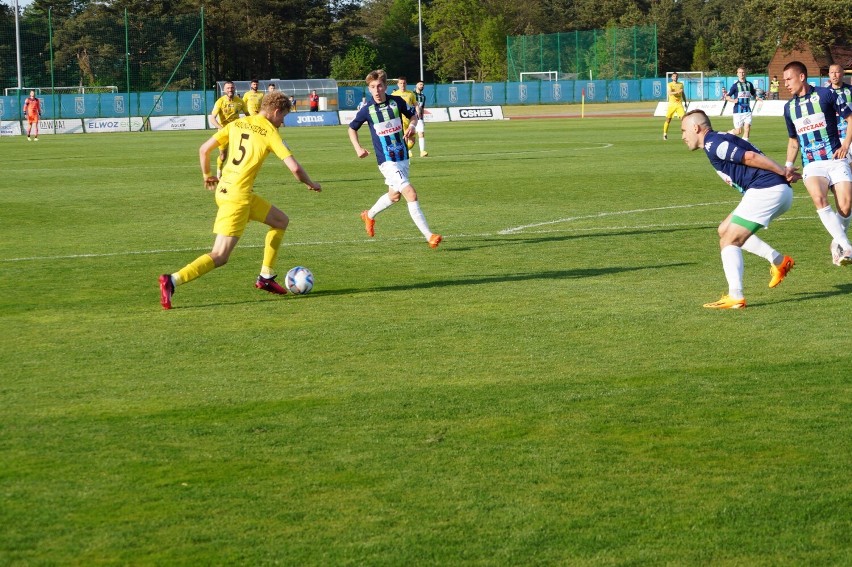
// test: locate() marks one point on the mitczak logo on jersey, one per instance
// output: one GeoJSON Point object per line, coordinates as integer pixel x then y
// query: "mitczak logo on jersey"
{"type": "Point", "coordinates": [388, 128]}
{"type": "Point", "coordinates": [810, 123]}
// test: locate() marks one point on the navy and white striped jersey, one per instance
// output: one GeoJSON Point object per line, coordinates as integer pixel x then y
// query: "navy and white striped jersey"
{"type": "Point", "coordinates": [385, 120]}
{"type": "Point", "coordinates": [812, 118]}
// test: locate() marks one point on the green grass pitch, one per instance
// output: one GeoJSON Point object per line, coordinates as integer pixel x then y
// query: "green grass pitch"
{"type": "Point", "coordinates": [544, 388]}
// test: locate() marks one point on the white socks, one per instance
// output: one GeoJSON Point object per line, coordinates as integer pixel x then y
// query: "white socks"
{"type": "Point", "coordinates": [383, 203]}
{"type": "Point", "coordinates": [422, 143]}
{"type": "Point", "coordinates": [732, 263]}
{"type": "Point", "coordinates": [413, 209]}
{"type": "Point", "coordinates": [760, 248]}
{"type": "Point", "coordinates": [418, 218]}
{"type": "Point", "coordinates": [831, 222]}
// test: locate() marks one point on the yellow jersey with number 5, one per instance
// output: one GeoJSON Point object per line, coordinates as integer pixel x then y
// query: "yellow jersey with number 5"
{"type": "Point", "coordinates": [249, 141]}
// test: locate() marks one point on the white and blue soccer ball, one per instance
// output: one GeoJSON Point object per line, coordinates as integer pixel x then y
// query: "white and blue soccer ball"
{"type": "Point", "coordinates": [299, 280]}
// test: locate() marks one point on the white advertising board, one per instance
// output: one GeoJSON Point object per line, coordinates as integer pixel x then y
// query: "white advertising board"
{"type": "Point", "coordinates": [476, 113]}
{"type": "Point", "coordinates": [10, 128]}
{"type": "Point", "coordinates": [190, 122]}
{"type": "Point", "coordinates": [61, 126]}
{"type": "Point", "coordinates": [98, 125]}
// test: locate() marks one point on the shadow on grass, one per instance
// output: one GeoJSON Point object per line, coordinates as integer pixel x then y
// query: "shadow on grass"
{"type": "Point", "coordinates": [515, 239]}
{"type": "Point", "coordinates": [842, 289]}
{"type": "Point", "coordinates": [461, 281]}
{"type": "Point", "coordinates": [576, 273]}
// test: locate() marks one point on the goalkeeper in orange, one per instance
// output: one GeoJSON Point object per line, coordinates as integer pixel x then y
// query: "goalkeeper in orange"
{"type": "Point", "coordinates": [677, 100]}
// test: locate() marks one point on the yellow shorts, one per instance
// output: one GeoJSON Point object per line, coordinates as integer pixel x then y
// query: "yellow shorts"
{"type": "Point", "coordinates": [675, 109]}
{"type": "Point", "coordinates": [232, 218]}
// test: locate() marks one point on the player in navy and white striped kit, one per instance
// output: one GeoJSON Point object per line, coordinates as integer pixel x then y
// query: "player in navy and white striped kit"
{"type": "Point", "coordinates": [384, 115]}
{"type": "Point", "coordinates": [741, 94]}
{"type": "Point", "coordinates": [812, 116]}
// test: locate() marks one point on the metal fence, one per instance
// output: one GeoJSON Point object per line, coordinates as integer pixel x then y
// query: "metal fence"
{"type": "Point", "coordinates": [612, 53]}
{"type": "Point", "coordinates": [107, 51]}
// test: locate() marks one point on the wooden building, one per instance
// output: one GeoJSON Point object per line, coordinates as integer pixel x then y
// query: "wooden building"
{"type": "Point", "coordinates": [816, 63]}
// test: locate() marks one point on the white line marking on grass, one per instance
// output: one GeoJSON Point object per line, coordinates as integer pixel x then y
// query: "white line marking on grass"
{"type": "Point", "coordinates": [524, 227]}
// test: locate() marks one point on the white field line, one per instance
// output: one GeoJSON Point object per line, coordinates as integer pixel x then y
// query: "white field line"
{"type": "Point", "coordinates": [525, 228]}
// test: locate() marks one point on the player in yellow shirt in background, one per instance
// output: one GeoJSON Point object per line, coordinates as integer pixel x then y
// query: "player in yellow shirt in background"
{"type": "Point", "coordinates": [252, 98]}
{"type": "Point", "coordinates": [227, 109]}
{"type": "Point", "coordinates": [250, 139]}
{"type": "Point", "coordinates": [410, 100]}
{"type": "Point", "coordinates": [677, 99]}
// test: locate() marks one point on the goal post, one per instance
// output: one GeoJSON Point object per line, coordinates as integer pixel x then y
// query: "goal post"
{"type": "Point", "coordinates": [539, 76]}
{"type": "Point", "coordinates": [693, 83]}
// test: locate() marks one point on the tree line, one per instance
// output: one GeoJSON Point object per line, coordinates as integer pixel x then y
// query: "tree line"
{"type": "Point", "coordinates": [343, 39]}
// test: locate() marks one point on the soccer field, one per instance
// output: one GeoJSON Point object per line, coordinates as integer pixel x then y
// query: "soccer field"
{"type": "Point", "coordinates": [544, 388]}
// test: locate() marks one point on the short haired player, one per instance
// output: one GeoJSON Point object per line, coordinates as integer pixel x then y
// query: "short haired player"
{"type": "Point", "coordinates": [250, 139]}
{"type": "Point", "coordinates": [32, 109]}
{"type": "Point", "coordinates": [384, 118]}
{"type": "Point", "coordinates": [741, 93]}
{"type": "Point", "coordinates": [812, 116]}
{"type": "Point", "coordinates": [766, 195]}
{"type": "Point", "coordinates": [677, 98]}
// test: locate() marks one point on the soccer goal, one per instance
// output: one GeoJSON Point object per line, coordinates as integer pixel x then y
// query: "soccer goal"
{"type": "Point", "coordinates": [460, 81]}
{"type": "Point", "coordinates": [539, 76]}
{"type": "Point", "coordinates": [693, 83]}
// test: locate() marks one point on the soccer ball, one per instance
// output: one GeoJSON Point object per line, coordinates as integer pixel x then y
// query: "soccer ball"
{"type": "Point", "coordinates": [299, 280]}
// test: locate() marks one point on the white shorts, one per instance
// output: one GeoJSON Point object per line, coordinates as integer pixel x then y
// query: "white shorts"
{"type": "Point", "coordinates": [742, 118]}
{"type": "Point", "coordinates": [420, 126]}
{"type": "Point", "coordinates": [762, 205]}
{"type": "Point", "coordinates": [396, 174]}
{"type": "Point", "coordinates": [835, 170]}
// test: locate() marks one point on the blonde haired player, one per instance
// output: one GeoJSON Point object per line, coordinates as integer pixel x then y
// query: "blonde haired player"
{"type": "Point", "coordinates": [226, 109]}
{"type": "Point", "coordinates": [677, 99]}
{"type": "Point", "coordinates": [384, 117]}
{"type": "Point", "coordinates": [250, 139]}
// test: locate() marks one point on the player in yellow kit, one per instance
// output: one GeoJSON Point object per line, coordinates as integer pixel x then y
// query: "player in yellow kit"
{"type": "Point", "coordinates": [410, 100]}
{"type": "Point", "coordinates": [250, 139]}
{"type": "Point", "coordinates": [677, 99]}
{"type": "Point", "coordinates": [252, 98]}
{"type": "Point", "coordinates": [227, 109]}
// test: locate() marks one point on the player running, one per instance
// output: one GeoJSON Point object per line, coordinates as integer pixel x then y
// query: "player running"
{"type": "Point", "coordinates": [677, 99]}
{"type": "Point", "coordinates": [251, 139]}
{"type": "Point", "coordinates": [384, 116]}
{"type": "Point", "coordinates": [741, 94]}
{"type": "Point", "coordinates": [32, 109]}
{"type": "Point", "coordinates": [811, 116]}
{"type": "Point", "coordinates": [766, 195]}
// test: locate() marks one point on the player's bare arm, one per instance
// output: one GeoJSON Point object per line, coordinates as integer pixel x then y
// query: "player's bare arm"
{"type": "Point", "coordinates": [359, 149]}
{"type": "Point", "coordinates": [204, 151]}
{"type": "Point", "coordinates": [300, 174]}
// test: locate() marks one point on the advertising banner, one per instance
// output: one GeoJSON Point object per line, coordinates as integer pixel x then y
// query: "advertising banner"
{"type": "Point", "coordinates": [476, 113]}
{"type": "Point", "coordinates": [326, 118]}
{"type": "Point", "coordinates": [98, 125]}
{"type": "Point", "coordinates": [10, 128]}
{"type": "Point", "coordinates": [191, 122]}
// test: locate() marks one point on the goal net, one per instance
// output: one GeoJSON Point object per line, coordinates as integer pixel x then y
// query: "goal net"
{"type": "Point", "coordinates": [539, 76]}
{"type": "Point", "coordinates": [693, 83]}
